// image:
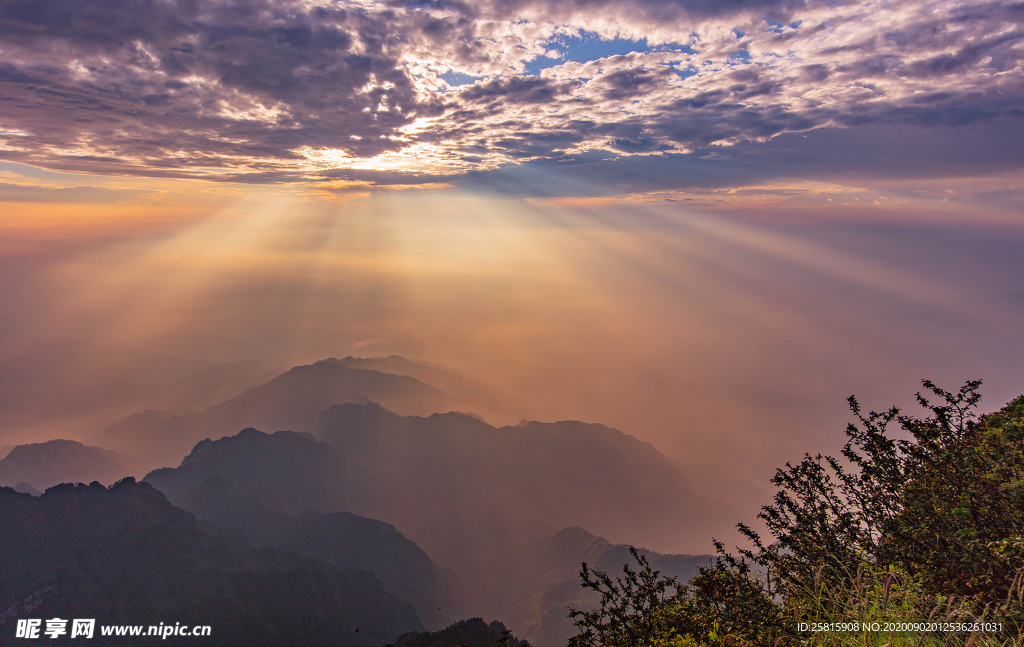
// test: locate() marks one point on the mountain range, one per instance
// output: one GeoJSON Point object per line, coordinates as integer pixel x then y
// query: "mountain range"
{"type": "Point", "coordinates": [290, 401]}
{"type": "Point", "coordinates": [456, 485]}
{"type": "Point", "coordinates": [125, 555]}
{"type": "Point", "coordinates": [277, 490]}
{"type": "Point", "coordinates": [288, 490]}
{"type": "Point", "coordinates": [466, 490]}
{"type": "Point", "coordinates": [368, 467]}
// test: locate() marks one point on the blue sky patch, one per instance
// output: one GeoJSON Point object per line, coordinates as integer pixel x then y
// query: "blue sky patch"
{"type": "Point", "coordinates": [541, 63]}
{"type": "Point", "coordinates": [458, 78]}
{"type": "Point", "coordinates": [589, 46]}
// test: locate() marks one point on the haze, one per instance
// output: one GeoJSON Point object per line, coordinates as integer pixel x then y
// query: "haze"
{"type": "Point", "coordinates": [705, 225]}
{"type": "Point", "coordinates": [728, 342]}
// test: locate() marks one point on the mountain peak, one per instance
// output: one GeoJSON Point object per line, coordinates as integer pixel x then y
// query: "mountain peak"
{"type": "Point", "coordinates": [57, 461]}
{"type": "Point", "coordinates": [295, 472]}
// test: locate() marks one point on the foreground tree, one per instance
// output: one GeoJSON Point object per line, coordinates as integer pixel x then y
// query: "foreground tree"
{"type": "Point", "coordinates": [945, 502]}
{"type": "Point", "coordinates": [959, 522]}
{"type": "Point", "coordinates": [918, 515]}
{"type": "Point", "coordinates": [634, 609]}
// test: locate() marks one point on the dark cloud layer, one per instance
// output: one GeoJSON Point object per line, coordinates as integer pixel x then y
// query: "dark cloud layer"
{"type": "Point", "coordinates": [866, 153]}
{"type": "Point", "coordinates": [277, 90]}
{"type": "Point", "coordinates": [172, 85]}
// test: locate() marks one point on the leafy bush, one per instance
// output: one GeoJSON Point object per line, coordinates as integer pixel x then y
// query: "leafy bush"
{"type": "Point", "coordinates": [946, 503]}
{"type": "Point", "coordinates": [632, 610]}
{"type": "Point", "coordinates": [921, 523]}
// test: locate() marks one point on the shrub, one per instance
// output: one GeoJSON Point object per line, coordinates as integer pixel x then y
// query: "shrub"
{"type": "Point", "coordinates": [925, 525]}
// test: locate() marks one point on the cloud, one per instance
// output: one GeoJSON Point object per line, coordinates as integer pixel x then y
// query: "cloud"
{"type": "Point", "coordinates": [874, 152]}
{"type": "Point", "coordinates": [170, 87]}
{"type": "Point", "coordinates": [623, 17]}
{"type": "Point", "coordinates": [21, 192]}
{"type": "Point", "coordinates": [281, 90]}
{"type": "Point", "coordinates": [368, 342]}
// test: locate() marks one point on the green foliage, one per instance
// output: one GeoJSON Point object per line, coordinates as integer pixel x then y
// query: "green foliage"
{"type": "Point", "coordinates": [919, 518]}
{"type": "Point", "coordinates": [887, 597]}
{"type": "Point", "coordinates": [944, 503]}
{"type": "Point", "coordinates": [630, 612]}
{"type": "Point", "coordinates": [723, 604]}
{"type": "Point", "coordinates": [963, 503]}
{"type": "Point", "coordinates": [729, 603]}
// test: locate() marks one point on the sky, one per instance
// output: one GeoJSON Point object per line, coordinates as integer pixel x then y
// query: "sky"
{"type": "Point", "coordinates": [704, 223]}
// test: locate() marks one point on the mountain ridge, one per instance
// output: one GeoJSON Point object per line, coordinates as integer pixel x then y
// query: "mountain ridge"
{"type": "Point", "coordinates": [125, 555]}
{"type": "Point", "coordinates": [444, 493]}
{"type": "Point", "coordinates": [289, 401]}
{"type": "Point", "coordinates": [288, 490]}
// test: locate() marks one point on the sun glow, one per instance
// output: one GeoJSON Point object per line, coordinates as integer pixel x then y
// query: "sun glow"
{"type": "Point", "coordinates": [416, 158]}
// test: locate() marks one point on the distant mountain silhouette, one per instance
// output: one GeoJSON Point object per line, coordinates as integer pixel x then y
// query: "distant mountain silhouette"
{"type": "Point", "coordinates": [532, 587]}
{"type": "Point", "coordinates": [276, 487]}
{"type": "Point", "coordinates": [290, 401]}
{"type": "Point", "coordinates": [465, 490]}
{"type": "Point", "coordinates": [471, 633]}
{"type": "Point", "coordinates": [152, 438]}
{"type": "Point", "coordinates": [125, 555]}
{"type": "Point", "coordinates": [288, 472]}
{"type": "Point", "coordinates": [26, 488]}
{"type": "Point", "coordinates": [469, 394]}
{"type": "Point", "coordinates": [4, 450]}
{"type": "Point", "coordinates": [61, 461]}
{"type": "Point", "coordinates": [488, 500]}
{"type": "Point", "coordinates": [460, 488]}
{"type": "Point", "coordinates": [219, 383]}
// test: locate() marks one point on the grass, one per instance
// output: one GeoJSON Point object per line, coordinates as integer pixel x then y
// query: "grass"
{"type": "Point", "coordinates": [889, 600]}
